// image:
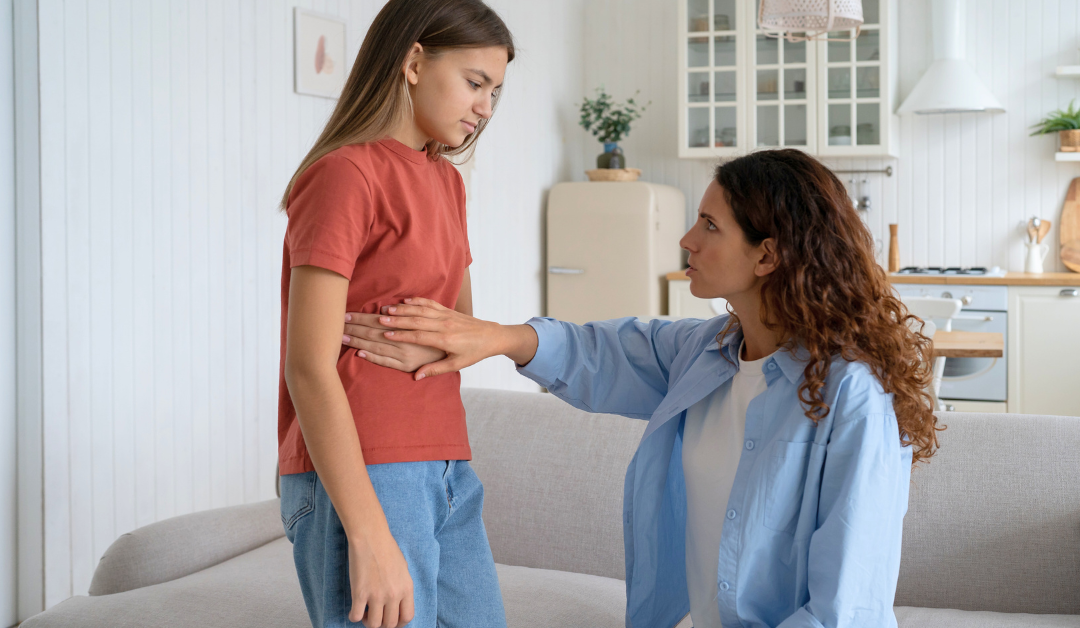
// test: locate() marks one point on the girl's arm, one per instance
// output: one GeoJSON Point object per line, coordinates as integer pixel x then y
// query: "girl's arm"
{"type": "Point", "coordinates": [619, 366]}
{"type": "Point", "coordinates": [378, 573]}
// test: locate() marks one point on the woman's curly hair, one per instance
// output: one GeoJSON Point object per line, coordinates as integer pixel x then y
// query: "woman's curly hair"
{"type": "Point", "coordinates": [828, 293]}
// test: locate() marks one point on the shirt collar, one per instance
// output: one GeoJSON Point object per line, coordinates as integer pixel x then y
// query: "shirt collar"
{"type": "Point", "coordinates": [790, 364]}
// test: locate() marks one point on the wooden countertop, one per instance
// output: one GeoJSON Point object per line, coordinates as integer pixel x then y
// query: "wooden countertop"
{"type": "Point", "coordinates": [968, 344]}
{"type": "Point", "coordinates": [1010, 279]}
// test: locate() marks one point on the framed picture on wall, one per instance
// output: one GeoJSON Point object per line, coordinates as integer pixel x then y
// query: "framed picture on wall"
{"type": "Point", "coordinates": [319, 63]}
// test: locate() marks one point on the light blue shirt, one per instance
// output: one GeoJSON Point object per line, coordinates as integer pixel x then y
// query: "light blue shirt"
{"type": "Point", "coordinates": [811, 536]}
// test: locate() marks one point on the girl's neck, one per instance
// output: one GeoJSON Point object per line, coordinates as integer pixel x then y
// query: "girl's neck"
{"type": "Point", "coordinates": [409, 134]}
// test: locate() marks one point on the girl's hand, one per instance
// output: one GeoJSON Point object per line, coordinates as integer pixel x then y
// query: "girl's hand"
{"type": "Point", "coordinates": [382, 589]}
{"type": "Point", "coordinates": [466, 340]}
{"type": "Point", "coordinates": [363, 332]}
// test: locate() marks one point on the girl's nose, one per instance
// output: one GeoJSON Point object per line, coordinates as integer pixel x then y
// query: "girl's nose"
{"type": "Point", "coordinates": [483, 108]}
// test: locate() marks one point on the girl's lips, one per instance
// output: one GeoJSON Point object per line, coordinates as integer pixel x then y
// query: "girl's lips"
{"type": "Point", "coordinates": [690, 270]}
{"type": "Point", "coordinates": [469, 127]}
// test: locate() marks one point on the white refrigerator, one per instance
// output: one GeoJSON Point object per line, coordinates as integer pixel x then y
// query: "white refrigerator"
{"type": "Point", "coordinates": [610, 246]}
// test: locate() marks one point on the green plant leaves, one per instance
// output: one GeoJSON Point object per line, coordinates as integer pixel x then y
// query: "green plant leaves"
{"type": "Point", "coordinates": [606, 120]}
{"type": "Point", "coordinates": [1059, 120]}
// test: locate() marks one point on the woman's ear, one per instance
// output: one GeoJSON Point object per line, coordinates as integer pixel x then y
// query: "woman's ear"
{"type": "Point", "coordinates": [768, 258]}
{"type": "Point", "coordinates": [412, 64]}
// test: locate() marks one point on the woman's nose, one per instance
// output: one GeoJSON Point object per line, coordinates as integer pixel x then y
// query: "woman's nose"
{"type": "Point", "coordinates": [685, 242]}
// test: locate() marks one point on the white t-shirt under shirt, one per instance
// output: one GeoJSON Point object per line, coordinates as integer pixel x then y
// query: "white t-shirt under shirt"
{"type": "Point", "coordinates": [712, 444]}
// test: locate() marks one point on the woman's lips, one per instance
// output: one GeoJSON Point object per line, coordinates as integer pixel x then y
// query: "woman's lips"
{"type": "Point", "coordinates": [468, 127]}
{"type": "Point", "coordinates": [690, 270]}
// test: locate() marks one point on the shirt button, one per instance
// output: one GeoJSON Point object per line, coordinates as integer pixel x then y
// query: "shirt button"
{"type": "Point", "coordinates": [772, 366]}
{"type": "Point", "coordinates": [731, 514]}
{"type": "Point", "coordinates": [724, 586]}
{"type": "Point", "coordinates": [749, 444]}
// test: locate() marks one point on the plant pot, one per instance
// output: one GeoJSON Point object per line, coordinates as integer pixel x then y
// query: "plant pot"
{"type": "Point", "coordinates": [603, 160]}
{"type": "Point", "coordinates": [1070, 141]}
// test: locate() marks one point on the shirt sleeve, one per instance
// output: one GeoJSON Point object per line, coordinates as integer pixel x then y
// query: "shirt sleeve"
{"type": "Point", "coordinates": [330, 216]}
{"type": "Point", "coordinates": [462, 200]}
{"type": "Point", "coordinates": [619, 366]}
{"type": "Point", "coordinates": [854, 559]}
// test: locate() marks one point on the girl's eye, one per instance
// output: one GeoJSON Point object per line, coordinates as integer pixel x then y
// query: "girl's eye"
{"type": "Point", "coordinates": [710, 226]}
{"type": "Point", "coordinates": [474, 85]}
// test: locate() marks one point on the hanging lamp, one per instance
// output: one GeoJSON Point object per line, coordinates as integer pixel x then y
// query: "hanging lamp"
{"type": "Point", "coordinates": [804, 20]}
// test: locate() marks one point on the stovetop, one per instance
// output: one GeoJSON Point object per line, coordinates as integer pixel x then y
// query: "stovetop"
{"type": "Point", "coordinates": [971, 271]}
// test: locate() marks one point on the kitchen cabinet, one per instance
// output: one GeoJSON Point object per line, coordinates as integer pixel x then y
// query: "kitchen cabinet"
{"type": "Point", "coordinates": [741, 90]}
{"type": "Point", "coordinates": [1044, 350]}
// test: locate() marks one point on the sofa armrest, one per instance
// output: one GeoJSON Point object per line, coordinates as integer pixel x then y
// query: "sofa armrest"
{"type": "Point", "coordinates": [180, 546]}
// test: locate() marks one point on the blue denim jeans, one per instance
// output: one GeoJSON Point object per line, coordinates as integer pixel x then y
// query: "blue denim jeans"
{"type": "Point", "coordinates": [433, 509]}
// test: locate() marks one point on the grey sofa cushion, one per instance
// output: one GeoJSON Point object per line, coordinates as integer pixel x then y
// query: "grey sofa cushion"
{"type": "Point", "coordinates": [542, 598]}
{"type": "Point", "coordinates": [179, 546]}
{"type": "Point", "coordinates": [258, 589]}
{"type": "Point", "coordinates": [907, 617]}
{"type": "Point", "coordinates": [994, 519]}
{"type": "Point", "coordinates": [553, 480]}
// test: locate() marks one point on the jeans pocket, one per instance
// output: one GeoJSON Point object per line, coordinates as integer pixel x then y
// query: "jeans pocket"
{"type": "Point", "coordinates": [787, 479]}
{"type": "Point", "coordinates": [297, 498]}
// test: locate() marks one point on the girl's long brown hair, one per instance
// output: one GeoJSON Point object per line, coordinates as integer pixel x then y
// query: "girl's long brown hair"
{"type": "Point", "coordinates": [376, 98]}
{"type": "Point", "coordinates": [828, 293]}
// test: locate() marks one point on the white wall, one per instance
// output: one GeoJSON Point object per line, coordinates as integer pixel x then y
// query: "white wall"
{"type": "Point", "coordinates": [167, 132]}
{"type": "Point", "coordinates": [962, 183]}
{"type": "Point", "coordinates": [533, 142]}
{"type": "Point", "coordinates": [8, 433]}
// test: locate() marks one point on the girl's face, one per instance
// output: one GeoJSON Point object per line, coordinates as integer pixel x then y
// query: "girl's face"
{"type": "Point", "coordinates": [722, 262]}
{"type": "Point", "coordinates": [452, 92]}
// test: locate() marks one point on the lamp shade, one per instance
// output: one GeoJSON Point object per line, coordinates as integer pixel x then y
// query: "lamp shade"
{"type": "Point", "coordinates": [811, 18]}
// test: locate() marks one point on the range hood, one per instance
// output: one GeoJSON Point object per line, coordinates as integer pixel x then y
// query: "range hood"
{"type": "Point", "coordinates": [949, 85]}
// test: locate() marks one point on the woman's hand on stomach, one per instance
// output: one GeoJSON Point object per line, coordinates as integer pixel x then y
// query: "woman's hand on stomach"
{"type": "Point", "coordinates": [464, 339]}
{"type": "Point", "coordinates": [363, 332]}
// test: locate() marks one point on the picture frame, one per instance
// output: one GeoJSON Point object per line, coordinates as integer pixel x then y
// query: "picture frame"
{"type": "Point", "coordinates": [319, 63]}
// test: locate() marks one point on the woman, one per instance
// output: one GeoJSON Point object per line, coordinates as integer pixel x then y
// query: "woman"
{"type": "Point", "coordinates": [770, 486]}
{"type": "Point", "coordinates": [377, 495]}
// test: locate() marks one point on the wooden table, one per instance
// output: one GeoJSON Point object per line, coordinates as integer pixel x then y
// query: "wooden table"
{"type": "Point", "coordinates": [968, 344]}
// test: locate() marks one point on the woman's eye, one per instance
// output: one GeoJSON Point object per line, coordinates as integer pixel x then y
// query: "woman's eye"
{"type": "Point", "coordinates": [709, 225]}
{"type": "Point", "coordinates": [474, 85]}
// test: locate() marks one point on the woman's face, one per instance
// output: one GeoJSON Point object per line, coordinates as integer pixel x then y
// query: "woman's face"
{"type": "Point", "coordinates": [722, 263]}
{"type": "Point", "coordinates": [452, 91]}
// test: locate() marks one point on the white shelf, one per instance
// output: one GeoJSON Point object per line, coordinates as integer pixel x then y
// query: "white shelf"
{"type": "Point", "coordinates": [1060, 156]}
{"type": "Point", "coordinates": [1068, 71]}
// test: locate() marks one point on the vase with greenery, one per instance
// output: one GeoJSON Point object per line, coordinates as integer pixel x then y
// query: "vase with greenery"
{"type": "Point", "coordinates": [1066, 123]}
{"type": "Point", "coordinates": [609, 122]}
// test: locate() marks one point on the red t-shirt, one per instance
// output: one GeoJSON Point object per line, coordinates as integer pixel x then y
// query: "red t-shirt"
{"type": "Point", "coordinates": [393, 222]}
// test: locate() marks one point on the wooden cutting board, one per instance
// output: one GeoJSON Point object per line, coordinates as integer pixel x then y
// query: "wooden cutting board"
{"type": "Point", "coordinates": [1070, 227]}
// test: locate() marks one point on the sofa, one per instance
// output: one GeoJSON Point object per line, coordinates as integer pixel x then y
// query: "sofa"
{"type": "Point", "coordinates": [991, 538]}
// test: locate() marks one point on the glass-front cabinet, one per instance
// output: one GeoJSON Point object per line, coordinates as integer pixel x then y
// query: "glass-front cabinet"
{"type": "Point", "coordinates": [711, 115]}
{"type": "Point", "coordinates": [742, 90]}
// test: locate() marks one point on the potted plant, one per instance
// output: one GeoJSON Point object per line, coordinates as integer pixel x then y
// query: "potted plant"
{"type": "Point", "coordinates": [609, 123]}
{"type": "Point", "coordinates": [1067, 125]}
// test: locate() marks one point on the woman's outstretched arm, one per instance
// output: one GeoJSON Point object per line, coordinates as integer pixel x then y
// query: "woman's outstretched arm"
{"type": "Point", "coordinates": [619, 366]}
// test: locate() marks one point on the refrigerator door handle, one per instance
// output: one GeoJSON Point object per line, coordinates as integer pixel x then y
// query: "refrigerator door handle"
{"type": "Point", "coordinates": [559, 270]}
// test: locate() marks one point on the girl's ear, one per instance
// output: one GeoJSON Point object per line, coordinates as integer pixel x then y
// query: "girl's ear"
{"type": "Point", "coordinates": [769, 260]}
{"type": "Point", "coordinates": [412, 64]}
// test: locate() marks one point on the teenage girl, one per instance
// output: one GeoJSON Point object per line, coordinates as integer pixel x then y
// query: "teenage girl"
{"type": "Point", "coordinates": [770, 486]}
{"type": "Point", "coordinates": [377, 495]}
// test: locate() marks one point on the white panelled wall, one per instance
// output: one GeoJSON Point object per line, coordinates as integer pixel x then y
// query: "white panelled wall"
{"type": "Point", "coordinates": [962, 184]}
{"type": "Point", "coordinates": [167, 132]}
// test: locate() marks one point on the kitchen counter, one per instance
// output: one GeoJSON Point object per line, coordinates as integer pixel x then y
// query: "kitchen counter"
{"type": "Point", "coordinates": [1010, 279]}
{"type": "Point", "coordinates": [968, 344]}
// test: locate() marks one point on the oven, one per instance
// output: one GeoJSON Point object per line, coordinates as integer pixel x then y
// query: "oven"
{"type": "Point", "coordinates": [985, 309]}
